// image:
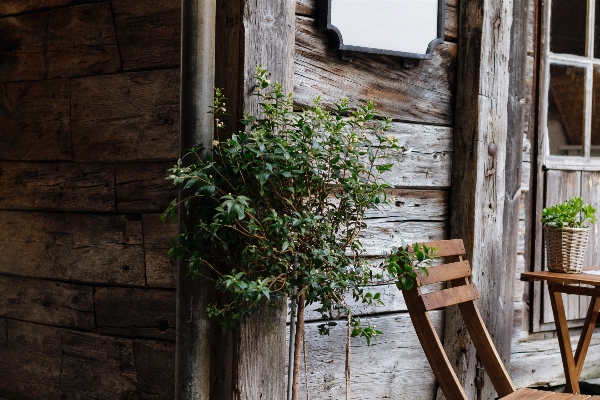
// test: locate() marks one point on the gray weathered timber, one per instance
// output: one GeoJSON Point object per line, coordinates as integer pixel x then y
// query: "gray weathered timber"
{"type": "Point", "coordinates": [155, 377]}
{"type": "Point", "coordinates": [380, 236]}
{"type": "Point", "coordinates": [46, 302]}
{"type": "Point", "coordinates": [309, 8]}
{"type": "Point", "coordinates": [422, 94]}
{"type": "Point", "coordinates": [71, 41]}
{"type": "Point", "coordinates": [126, 117]}
{"type": "Point", "coordinates": [143, 187]}
{"type": "Point", "coordinates": [59, 186]}
{"type": "Point", "coordinates": [250, 33]}
{"type": "Point", "coordinates": [393, 367]}
{"type": "Point", "coordinates": [161, 270]}
{"type": "Point", "coordinates": [103, 249]}
{"type": "Point", "coordinates": [478, 180]}
{"type": "Point", "coordinates": [135, 312]}
{"type": "Point", "coordinates": [35, 120]}
{"type": "Point", "coordinates": [413, 204]}
{"type": "Point", "coordinates": [538, 362]}
{"type": "Point", "coordinates": [149, 33]}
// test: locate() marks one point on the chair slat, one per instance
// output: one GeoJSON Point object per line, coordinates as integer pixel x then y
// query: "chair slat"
{"type": "Point", "coordinates": [449, 297]}
{"type": "Point", "coordinates": [447, 248]}
{"type": "Point", "coordinates": [445, 272]}
{"type": "Point", "coordinates": [528, 394]}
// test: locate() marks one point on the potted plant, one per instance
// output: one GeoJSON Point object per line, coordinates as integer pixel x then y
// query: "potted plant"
{"type": "Point", "coordinates": [566, 235]}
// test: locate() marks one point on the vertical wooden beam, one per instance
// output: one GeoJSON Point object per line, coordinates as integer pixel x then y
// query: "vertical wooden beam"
{"type": "Point", "coordinates": [251, 360]}
{"type": "Point", "coordinates": [192, 353]}
{"type": "Point", "coordinates": [479, 173]}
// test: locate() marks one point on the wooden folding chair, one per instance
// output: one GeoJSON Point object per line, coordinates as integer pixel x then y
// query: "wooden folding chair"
{"type": "Point", "coordinates": [462, 293]}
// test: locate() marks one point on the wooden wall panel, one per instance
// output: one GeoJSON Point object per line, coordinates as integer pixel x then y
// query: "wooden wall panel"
{"type": "Point", "coordinates": [149, 33]}
{"type": "Point", "coordinates": [155, 380]}
{"type": "Point", "coordinates": [386, 369]}
{"type": "Point", "coordinates": [135, 312]}
{"type": "Point", "coordinates": [46, 302]}
{"type": "Point", "coordinates": [421, 94]}
{"type": "Point", "coordinates": [126, 117]}
{"type": "Point", "coordinates": [9, 7]}
{"type": "Point", "coordinates": [71, 41]}
{"type": "Point", "coordinates": [36, 120]}
{"type": "Point", "coordinates": [56, 186]}
{"type": "Point", "coordinates": [161, 270]}
{"type": "Point", "coordinates": [103, 249]}
{"type": "Point", "coordinates": [143, 187]}
{"type": "Point", "coordinates": [413, 204]}
{"type": "Point", "coordinates": [381, 235]}
{"type": "Point", "coordinates": [309, 8]}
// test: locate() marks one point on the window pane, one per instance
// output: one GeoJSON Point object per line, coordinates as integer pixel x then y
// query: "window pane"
{"type": "Point", "coordinates": [595, 149]}
{"type": "Point", "coordinates": [568, 26]}
{"type": "Point", "coordinates": [566, 100]}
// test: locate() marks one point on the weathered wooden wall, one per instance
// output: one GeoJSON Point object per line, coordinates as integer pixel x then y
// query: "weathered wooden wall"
{"type": "Point", "coordinates": [89, 124]}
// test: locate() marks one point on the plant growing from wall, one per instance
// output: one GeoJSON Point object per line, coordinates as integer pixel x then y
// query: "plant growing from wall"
{"type": "Point", "coordinates": [278, 208]}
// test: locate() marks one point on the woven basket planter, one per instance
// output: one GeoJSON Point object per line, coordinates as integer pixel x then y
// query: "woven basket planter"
{"type": "Point", "coordinates": [565, 248]}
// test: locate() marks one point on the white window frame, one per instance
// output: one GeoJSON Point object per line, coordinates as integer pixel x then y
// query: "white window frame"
{"type": "Point", "coordinates": [585, 162]}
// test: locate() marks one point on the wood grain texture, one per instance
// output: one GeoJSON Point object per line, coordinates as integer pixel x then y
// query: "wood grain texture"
{"type": "Point", "coordinates": [421, 94]}
{"type": "Point", "coordinates": [46, 302]}
{"type": "Point", "coordinates": [309, 8]}
{"type": "Point", "coordinates": [56, 186]}
{"type": "Point", "coordinates": [66, 42]}
{"type": "Point", "coordinates": [384, 370]}
{"type": "Point", "coordinates": [103, 249]}
{"type": "Point", "coordinates": [36, 120]}
{"type": "Point", "coordinates": [143, 187]}
{"type": "Point", "coordinates": [149, 33]}
{"type": "Point", "coordinates": [135, 312]}
{"type": "Point", "coordinates": [154, 367]}
{"type": "Point", "coordinates": [161, 270]}
{"type": "Point", "coordinates": [380, 236]}
{"type": "Point", "coordinates": [126, 117]}
{"type": "Point", "coordinates": [413, 204]}
{"type": "Point", "coordinates": [9, 7]}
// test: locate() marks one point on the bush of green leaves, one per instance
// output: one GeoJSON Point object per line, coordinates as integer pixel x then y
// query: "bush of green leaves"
{"type": "Point", "coordinates": [572, 214]}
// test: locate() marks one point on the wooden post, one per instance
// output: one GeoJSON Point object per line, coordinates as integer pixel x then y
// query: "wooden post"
{"type": "Point", "coordinates": [250, 362]}
{"type": "Point", "coordinates": [479, 181]}
{"type": "Point", "coordinates": [192, 360]}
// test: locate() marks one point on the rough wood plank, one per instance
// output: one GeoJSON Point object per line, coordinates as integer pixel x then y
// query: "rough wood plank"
{"type": "Point", "coordinates": [149, 33]}
{"type": "Point", "coordinates": [420, 94]}
{"type": "Point", "coordinates": [384, 370]}
{"type": "Point", "coordinates": [65, 42]}
{"type": "Point", "coordinates": [154, 364]}
{"type": "Point", "coordinates": [35, 120]}
{"type": "Point", "coordinates": [538, 362]}
{"type": "Point", "coordinates": [413, 204]}
{"type": "Point", "coordinates": [46, 302]}
{"type": "Point", "coordinates": [161, 270]}
{"type": "Point", "coordinates": [9, 7]}
{"type": "Point", "coordinates": [143, 187]}
{"type": "Point", "coordinates": [87, 248]}
{"type": "Point", "coordinates": [309, 8]}
{"type": "Point", "coordinates": [380, 236]}
{"type": "Point", "coordinates": [56, 186]}
{"type": "Point", "coordinates": [451, 296]}
{"type": "Point", "coordinates": [126, 117]}
{"type": "Point", "coordinates": [445, 273]}
{"type": "Point", "coordinates": [135, 312]}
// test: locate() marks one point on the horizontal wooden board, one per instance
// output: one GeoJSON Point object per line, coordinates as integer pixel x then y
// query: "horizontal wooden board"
{"type": "Point", "coordinates": [420, 94]}
{"type": "Point", "coordinates": [136, 312]}
{"type": "Point", "coordinates": [126, 117]}
{"type": "Point", "coordinates": [57, 186]}
{"type": "Point", "coordinates": [382, 234]}
{"type": "Point", "coordinates": [35, 120]}
{"type": "Point", "coordinates": [149, 33]}
{"type": "Point", "coordinates": [9, 7]}
{"type": "Point", "coordinates": [309, 8]}
{"type": "Point", "coordinates": [413, 204]}
{"type": "Point", "coordinates": [65, 42]}
{"type": "Point", "coordinates": [86, 248]}
{"type": "Point", "coordinates": [161, 270]}
{"type": "Point", "coordinates": [155, 367]}
{"type": "Point", "coordinates": [47, 302]}
{"type": "Point", "coordinates": [393, 367]}
{"type": "Point", "coordinates": [538, 362]}
{"type": "Point", "coordinates": [143, 187]}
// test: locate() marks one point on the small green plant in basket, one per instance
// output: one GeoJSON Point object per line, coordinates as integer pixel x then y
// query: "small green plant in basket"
{"type": "Point", "coordinates": [572, 213]}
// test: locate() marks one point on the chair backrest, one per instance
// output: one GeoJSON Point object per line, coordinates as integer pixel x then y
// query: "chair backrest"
{"type": "Point", "coordinates": [460, 292]}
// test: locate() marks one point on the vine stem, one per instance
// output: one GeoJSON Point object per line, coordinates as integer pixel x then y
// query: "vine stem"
{"type": "Point", "coordinates": [349, 317]}
{"type": "Point", "coordinates": [291, 350]}
{"type": "Point", "coordinates": [298, 344]}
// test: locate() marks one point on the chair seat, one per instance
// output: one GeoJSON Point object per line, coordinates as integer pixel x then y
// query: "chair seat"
{"type": "Point", "coordinates": [532, 394]}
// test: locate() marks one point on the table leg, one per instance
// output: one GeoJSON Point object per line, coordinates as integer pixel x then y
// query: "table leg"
{"type": "Point", "coordinates": [586, 334]}
{"type": "Point", "coordinates": [564, 340]}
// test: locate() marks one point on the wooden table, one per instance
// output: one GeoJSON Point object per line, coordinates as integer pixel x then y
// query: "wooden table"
{"type": "Point", "coordinates": [559, 283]}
